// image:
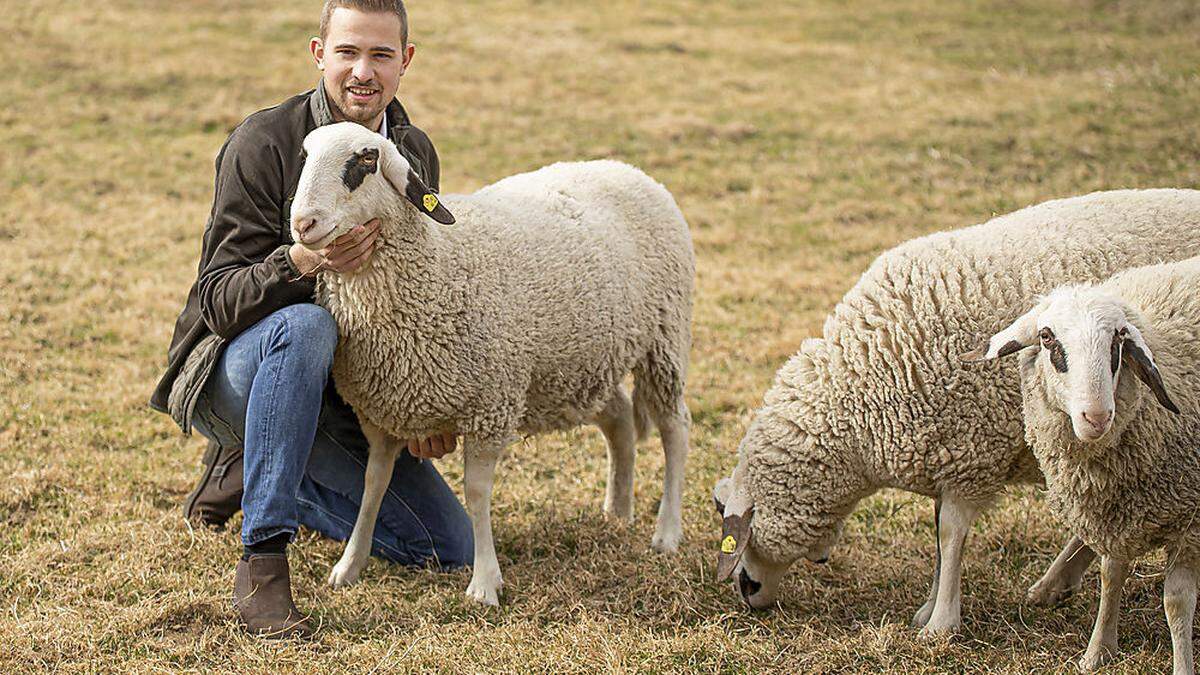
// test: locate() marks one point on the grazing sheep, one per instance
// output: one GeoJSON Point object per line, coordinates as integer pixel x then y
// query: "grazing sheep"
{"type": "Point", "coordinates": [523, 317]}
{"type": "Point", "coordinates": [880, 399]}
{"type": "Point", "coordinates": [1122, 472]}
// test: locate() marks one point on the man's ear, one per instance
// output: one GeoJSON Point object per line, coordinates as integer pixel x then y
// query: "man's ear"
{"type": "Point", "coordinates": [317, 48]}
{"type": "Point", "coordinates": [409, 50]}
{"type": "Point", "coordinates": [1136, 356]}
{"type": "Point", "coordinates": [404, 180]}
{"type": "Point", "coordinates": [1018, 335]}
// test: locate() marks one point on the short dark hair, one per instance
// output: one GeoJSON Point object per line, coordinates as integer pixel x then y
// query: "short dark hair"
{"type": "Point", "coordinates": [393, 6]}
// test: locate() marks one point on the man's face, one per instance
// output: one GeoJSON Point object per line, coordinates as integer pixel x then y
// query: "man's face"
{"type": "Point", "coordinates": [362, 59]}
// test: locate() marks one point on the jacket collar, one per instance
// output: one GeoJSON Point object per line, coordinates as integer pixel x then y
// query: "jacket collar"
{"type": "Point", "coordinates": [322, 114]}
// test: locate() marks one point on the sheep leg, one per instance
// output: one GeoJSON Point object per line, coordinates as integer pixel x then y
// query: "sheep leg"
{"type": "Point", "coordinates": [953, 524]}
{"type": "Point", "coordinates": [1103, 644]}
{"type": "Point", "coordinates": [616, 422]}
{"type": "Point", "coordinates": [479, 468]}
{"type": "Point", "coordinates": [669, 531]}
{"type": "Point", "coordinates": [1064, 576]}
{"type": "Point", "coordinates": [922, 616]}
{"type": "Point", "coordinates": [1179, 602]}
{"type": "Point", "coordinates": [381, 458]}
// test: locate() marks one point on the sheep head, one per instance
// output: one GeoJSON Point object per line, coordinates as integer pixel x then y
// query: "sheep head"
{"type": "Point", "coordinates": [1086, 340]}
{"type": "Point", "coordinates": [348, 173]}
{"type": "Point", "coordinates": [765, 531]}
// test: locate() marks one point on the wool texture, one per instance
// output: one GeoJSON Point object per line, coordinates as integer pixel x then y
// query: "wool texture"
{"type": "Point", "coordinates": [881, 399]}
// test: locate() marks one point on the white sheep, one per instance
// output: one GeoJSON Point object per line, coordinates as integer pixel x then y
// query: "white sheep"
{"type": "Point", "coordinates": [521, 318]}
{"type": "Point", "coordinates": [881, 401]}
{"type": "Point", "coordinates": [1122, 472]}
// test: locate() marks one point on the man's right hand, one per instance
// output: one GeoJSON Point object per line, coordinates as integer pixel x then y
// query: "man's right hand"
{"type": "Point", "coordinates": [347, 253]}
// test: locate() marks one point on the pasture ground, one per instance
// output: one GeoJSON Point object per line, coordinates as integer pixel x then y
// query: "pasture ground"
{"type": "Point", "coordinates": [800, 138]}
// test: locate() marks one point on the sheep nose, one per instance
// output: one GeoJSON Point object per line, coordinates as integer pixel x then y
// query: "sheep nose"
{"type": "Point", "coordinates": [1098, 418]}
{"type": "Point", "coordinates": [747, 586]}
{"type": "Point", "coordinates": [304, 226]}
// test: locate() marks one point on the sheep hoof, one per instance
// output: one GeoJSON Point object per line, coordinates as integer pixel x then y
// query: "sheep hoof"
{"type": "Point", "coordinates": [344, 573]}
{"type": "Point", "coordinates": [485, 592]}
{"type": "Point", "coordinates": [666, 542]}
{"type": "Point", "coordinates": [1048, 595]}
{"type": "Point", "coordinates": [1092, 660]}
{"type": "Point", "coordinates": [939, 630]}
{"type": "Point", "coordinates": [623, 512]}
{"type": "Point", "coordinates": [922, 616]}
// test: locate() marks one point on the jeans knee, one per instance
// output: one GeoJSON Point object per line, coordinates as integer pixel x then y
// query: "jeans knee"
{"type": "Point", "coordinates": [313, 328]}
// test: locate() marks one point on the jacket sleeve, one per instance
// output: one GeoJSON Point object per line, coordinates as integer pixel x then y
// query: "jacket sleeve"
{"type": "Point", "coordinates": [245, 271]}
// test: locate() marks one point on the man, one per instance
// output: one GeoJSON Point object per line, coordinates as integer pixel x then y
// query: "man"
{"type": "Point", "coordinates": [249, 362]}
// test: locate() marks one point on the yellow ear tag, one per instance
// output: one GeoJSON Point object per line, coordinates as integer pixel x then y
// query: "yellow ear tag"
{"type": "Point", "coordinates": [728, 544]}
{"type": "Point", "coordinates": [430, 202]}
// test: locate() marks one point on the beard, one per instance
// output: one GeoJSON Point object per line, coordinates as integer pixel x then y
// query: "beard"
{"type": "Point", "coordinates": [359, 111]}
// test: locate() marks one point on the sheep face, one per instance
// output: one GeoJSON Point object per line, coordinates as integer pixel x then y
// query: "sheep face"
{"type": "Point", "coordinates": [350, 173]}
{"type": "Point", "coordinates": [1085, 341]}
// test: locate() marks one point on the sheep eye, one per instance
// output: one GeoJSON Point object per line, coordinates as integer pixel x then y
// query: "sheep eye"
{"type": "Point", "coordinates": [1058, 355]}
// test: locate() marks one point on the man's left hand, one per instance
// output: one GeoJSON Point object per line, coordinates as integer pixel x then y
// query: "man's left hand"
{"type": "Point", "coordinates": [434, 447]}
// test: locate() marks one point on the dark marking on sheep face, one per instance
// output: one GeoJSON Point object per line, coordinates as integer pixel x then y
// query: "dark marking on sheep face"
{"type": "Point", "coordinates": [360, 164]}
{"type": "Point", "coordinates": [1058, 355]}
{"type": "Point", "coordinates": [1115, 352]}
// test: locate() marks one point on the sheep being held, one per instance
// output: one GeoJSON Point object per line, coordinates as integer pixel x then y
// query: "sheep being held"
{"type": "Point", "coordinates": [521, 318]}
{"type": "Point", "coordinates": [1110, 378]}
{"type": "Point", "coordinates": [880, 400]}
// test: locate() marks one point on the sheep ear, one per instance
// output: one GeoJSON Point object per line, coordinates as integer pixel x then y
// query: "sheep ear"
{"type": "Point", "coordinates": [1136, 355]}
{"type": "Point", "coordinates": [735, 536]}
{"type": "Point", "coordinates": [1020, 334]}
{"type": "Point", "coordinates": [406, 181]}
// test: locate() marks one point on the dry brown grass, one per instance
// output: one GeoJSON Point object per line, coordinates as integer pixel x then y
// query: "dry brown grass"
{"type": "Point", "coordinates": [800, 138]}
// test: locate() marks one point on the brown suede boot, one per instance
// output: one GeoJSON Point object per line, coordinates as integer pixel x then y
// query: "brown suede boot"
{"type": "Point", "coordinates": [218, 495]}
{"type": "Point", "coordinates": [262, 595]}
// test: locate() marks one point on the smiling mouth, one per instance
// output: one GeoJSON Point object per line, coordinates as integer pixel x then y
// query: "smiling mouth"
{"type": "Point", "coordinates": [361, 92]}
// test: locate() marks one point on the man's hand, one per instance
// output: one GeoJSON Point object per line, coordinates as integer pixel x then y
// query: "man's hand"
{"type": "Point", "coordinates": [432, 448]}
{"type": "Point", "coordinates": [347, 253]}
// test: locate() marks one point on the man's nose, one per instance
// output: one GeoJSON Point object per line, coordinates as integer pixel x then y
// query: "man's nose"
{"type": "Point", "coordinates": [363, 72]}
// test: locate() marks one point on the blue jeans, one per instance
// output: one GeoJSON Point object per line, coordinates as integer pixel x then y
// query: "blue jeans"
{"type": "Point", "coordinates": [305, 454]}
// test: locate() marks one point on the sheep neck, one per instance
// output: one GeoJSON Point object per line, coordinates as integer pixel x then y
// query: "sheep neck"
{"type": "Point", "coordinates": [405, 284]}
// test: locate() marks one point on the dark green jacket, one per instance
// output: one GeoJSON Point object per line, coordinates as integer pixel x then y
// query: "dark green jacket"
{"type": "Point", "coordinates": [245, 272]}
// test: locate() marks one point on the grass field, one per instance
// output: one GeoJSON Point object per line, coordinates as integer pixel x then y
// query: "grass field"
{"type": "Point", "coordinates": [800, 138]}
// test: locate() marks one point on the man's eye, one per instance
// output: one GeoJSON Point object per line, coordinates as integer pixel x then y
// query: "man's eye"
{"type": "Point", "coordinates": [384, 56]}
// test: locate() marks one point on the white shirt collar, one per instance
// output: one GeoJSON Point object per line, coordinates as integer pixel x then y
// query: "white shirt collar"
{"type": "Point", "coordinates": [383, 125]}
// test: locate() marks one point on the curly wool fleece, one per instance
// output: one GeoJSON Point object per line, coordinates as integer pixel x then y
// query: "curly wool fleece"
{"type": "Point", "coordinates": [1137, 488]}
{"type": "Point", "coordinates": [880, 400]}
{"type": "Point", "coordinates": [524, 316]}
